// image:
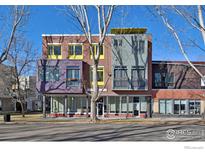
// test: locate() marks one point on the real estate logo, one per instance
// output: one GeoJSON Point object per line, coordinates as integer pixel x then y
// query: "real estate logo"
{"type": "Point", "coordinates": [171, 134]}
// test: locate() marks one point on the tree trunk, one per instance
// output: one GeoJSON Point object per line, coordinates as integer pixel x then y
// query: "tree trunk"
{"type": "Point", "coordinates": [94, 94]}
{"type": "Point", "coordinates": [22, 109]}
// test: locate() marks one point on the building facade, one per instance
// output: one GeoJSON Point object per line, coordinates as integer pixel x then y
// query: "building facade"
{"type": "Point", "coordinates": [6, 81]}
{"type": "Point", "coordinates": [177, 89]}
{"type": "Point", "coordinates": [129, 82]}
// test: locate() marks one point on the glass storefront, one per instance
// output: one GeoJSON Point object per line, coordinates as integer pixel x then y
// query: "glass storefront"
{"type": "Point", "coordinates": [179, 107]}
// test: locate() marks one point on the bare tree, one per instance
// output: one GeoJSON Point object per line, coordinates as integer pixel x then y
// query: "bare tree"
{"type": "Point", "coordinates": [193, 21]}
{"type": "Point", "coordinates": [22, 57]}
{"type": "Point", "coordinates": [104, 15]}
{"type": "Point", "coordinates": [12, 22]}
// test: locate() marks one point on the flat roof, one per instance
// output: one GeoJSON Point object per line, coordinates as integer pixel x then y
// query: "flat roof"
{"type": "Point", "coordinates": [176, 62]}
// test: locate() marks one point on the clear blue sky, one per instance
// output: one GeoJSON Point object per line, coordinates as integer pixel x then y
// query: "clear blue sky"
{"type": "Point", "coordinates": [52, 20]}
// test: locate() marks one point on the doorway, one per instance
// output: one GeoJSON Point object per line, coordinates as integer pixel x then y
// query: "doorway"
{"type": "Point", "coordinates": [100, 107]}
{"type": "Point", "coordinates": [136, 106]}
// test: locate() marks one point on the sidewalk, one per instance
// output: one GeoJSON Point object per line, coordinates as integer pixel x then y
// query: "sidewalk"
{"type": "Point", "coordinates": [38, 118]}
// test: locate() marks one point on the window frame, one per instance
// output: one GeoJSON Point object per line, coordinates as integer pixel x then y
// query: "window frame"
{"type": "Point", "coordinates": [100, 83]}
{"type": "Point", "coordinates": [52, 55]}
{"type": "Point", "coordinates": [53, 68]}
{"type": "Point", "coordinates": [163, 78]}
{"type": "Point", "coordinates": [139, 81]}
{"type": "Point", "coordinates": [121, 68]}
{"type": "Point", "coordinates": [102, 56]}
{"type": "Point", "coordinates": [67, 79]}
{"type": "Point", "coordinates": [74, 56]}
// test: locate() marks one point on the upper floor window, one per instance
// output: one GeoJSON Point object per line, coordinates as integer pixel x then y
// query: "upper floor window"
{"type": "Point", "coordinates": [164, 80]}
{"type": "Point", "coordinates": [94, 48]}
{"type": "Point", "coordinates": [73, 76]}
{"type": "Point", "coordinates": [52, 73]}
{"type": "Point", "coordinates": [138, 77]}
{"type": "Point", "coordinates": [117, 42]}
{"type": "Point", "coordinates": [120, 77]}
{"type": "Point", "coordinates": [75, 51]}
{"type": "Point", "coordinates": [54, 52]}
{"type": "Point", "coordinates": [141, 46]}
{"type": "Point", "coordinates": [100, 75]}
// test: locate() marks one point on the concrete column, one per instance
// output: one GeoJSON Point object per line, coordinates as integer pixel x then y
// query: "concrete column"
{"type": "Point", "coordinates": [103, 107]}
{"type": "Point", "coordinates": [44, 106]}
{"type": "Point", "coordinates": [120, 108]}
{"type": "Point", "coordinates": [203, 108]}
{"type": "Point", "coordinates": [65, 105]}
{"type": "Point", "coordinates": [107, 104]}
{"type": "Point", "coordinates": [127, 105]}
{"type": "Point", "coordinates": [156, 106]}
{"type": "Point", "coordinates": [87, 105]}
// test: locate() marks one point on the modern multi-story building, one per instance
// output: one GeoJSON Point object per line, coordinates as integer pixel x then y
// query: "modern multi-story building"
{"type": "Point", "coordinates": [130, 84]}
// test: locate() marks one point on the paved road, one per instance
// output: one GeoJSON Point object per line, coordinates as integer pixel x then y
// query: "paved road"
{"type": "Point", "coordinates": [100, 132]}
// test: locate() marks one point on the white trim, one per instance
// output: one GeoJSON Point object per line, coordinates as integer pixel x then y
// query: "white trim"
{"type": "Point", "coordinates": [84, 113]}
{"type": "Point", "coordinates": [90, 89]}
{"type": "Point", "coordinates": [75, 43]}
{"type": "Point", "coordinates": [54, 43]}
{"type": "Point", "coordinates": [73, 34]}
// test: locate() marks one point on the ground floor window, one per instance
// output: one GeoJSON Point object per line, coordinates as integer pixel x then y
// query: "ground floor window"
{"type": "Point", "coordinates": [181, 107]}
{"type": "Point", "coordinates": [124, 104]}
{"type": "Point", "coordinates": [113, 104]}
{"type": "Point", "coordinates": [194, 107]}
{"type": "Point", "coordinates": [57, 104]}
{"type": "Point", "coordinates": [76, 104]}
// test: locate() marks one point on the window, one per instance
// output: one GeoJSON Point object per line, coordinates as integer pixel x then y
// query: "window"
{"type": "Point", "coordinates": [114, 104]}
{"type": "Point", "coordinates": [124, 104]}
{"type": "Point", "coordinates": [164, 80]}
{"type": "Point", "coordinates": [54, 52]}
{"type": "Point", "coordinates": [176, 106]}
{"type": "Point", "coordinates": [40, 74]}
{"type": "Point", "coordinates": [141, 46]}
{"type": "Point", "coordinates": [162, 107]}
{"type": "Point", "coordinates": [57, 105]}
{"type": "Point", "coordinates": [138, 77]}
{"type": "Point", "coordinates": [94, 48]}
{"type": "Point", "coordinates": [183, 105]}
{"type": "Point", "coordinates": [120, 78]}
{"type": "Point", "coordinates": [75, 51]}
{"type": "Point", "coordinates": [73, 76]}
{"type": "Point", "coordinates": [52, 73]}
{"type": "Point", "coordinates": [100, 75]}
{"type": "Point", "coordinates": [165, 106]}
{"type": "Point", "coordinates": [117, 42]}
{"type": "Point", "coordinates": [194, 107]}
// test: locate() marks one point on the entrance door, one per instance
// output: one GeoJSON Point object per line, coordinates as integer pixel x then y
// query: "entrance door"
{"type": "Point", "coordinates": [99, 106]}
{"type": "Point", "coordinates": [100, 109]}
{"type": "Point", "coordinates": [136, 106]}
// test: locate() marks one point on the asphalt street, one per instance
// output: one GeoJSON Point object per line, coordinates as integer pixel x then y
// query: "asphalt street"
{"type": "Point", "coordinates": [100, 132]}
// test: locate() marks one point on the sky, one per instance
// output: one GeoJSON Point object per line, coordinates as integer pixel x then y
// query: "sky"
{"type": "Point", "coordinates": [53, 20]}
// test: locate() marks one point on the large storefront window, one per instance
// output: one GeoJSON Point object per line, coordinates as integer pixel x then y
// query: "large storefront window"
{"type": "Point", "coordinates": [124, 104]}
{"type": "Point", "coordinates": [194, 107]}
{"type": "Point", "coordinates": [181, 107]}
{"type": "Point", "coordinates": [176, 106]}
{"type": "Point", "coordinates": [76, 104]}
{"type": "Point", "coordinates": [57, 105]}
{"type": "Point", "coordinates": [114, 104]}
